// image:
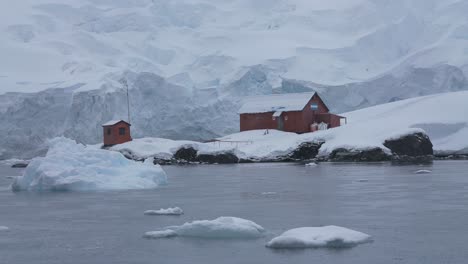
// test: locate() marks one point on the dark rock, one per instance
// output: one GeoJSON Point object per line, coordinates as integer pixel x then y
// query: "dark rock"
{"type": "Point", "coordinates": [222, 158]}
{"type": "Point", "coordinates": [20, 165]}
{"type": "Point", "coordinates": [369, 155]}
{"type": "Point", "coordinates": [306, 151]}
{"type": "Point", "coordinates": [417, 144]}
{"type": "Point", "coordinates": [187, 154]}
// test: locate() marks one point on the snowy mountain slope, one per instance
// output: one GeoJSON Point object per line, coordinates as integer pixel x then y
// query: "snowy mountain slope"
{"type": "Point", "coordinates": [190, 62]}
{"type": "Point", "coordinates": [50, 42]}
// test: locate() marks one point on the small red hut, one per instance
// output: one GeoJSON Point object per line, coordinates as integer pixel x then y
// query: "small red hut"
{"type": "Point", "coordinates": [294, 112]}
{"type": "Point", "coordinates": [116, 132]}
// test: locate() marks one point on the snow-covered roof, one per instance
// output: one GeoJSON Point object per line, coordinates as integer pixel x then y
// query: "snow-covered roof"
{"type": "Point", "coordinates": [113, 122]}
{"type": "Point", "coordinates": [275, 102]}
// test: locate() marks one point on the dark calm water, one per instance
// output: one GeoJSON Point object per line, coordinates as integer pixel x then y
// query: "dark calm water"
{"type": "Point", "coordinates": [414, 218]}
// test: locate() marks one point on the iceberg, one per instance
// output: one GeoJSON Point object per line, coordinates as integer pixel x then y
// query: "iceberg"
{"type": "Point", "coordinates": [219, 228]}
{"type": "Point", "coordinates": [316, 237]}
{"type": "Point", "coordinates": [168, 211]}
{"type": "Point", "coordinates": [69, 166]}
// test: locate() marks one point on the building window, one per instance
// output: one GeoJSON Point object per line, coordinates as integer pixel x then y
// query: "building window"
{"type": "Point", "coordinates": [109, 131]}
{"type": "Point", "coordinates": [122, 131]}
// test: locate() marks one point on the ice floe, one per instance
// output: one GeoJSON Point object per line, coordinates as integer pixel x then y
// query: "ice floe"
{"type": "Point", "coordinates": [69, 166]}
{"type": "Point", "coordinates": [219, 228]}
{"type": "Point", "coordinates": [4, 228]}
{"type": "Point", "coordinates": [312, 164]}
{"type": "Point", "coordinates": [423, 171]}
{"type": "Point", "coordinates": [315, 237]}
{"type": "Point", "coordinates": [167, 211]}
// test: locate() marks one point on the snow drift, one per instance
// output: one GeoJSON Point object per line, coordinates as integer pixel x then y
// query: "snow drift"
{"type": "Point", "coordinates": [315, 237]}
{"type": "Point", "coordinates": [69, 166]}
{"type": "Point", "coordinates": [219, 228]}
{"type": "Point", "coordinates": [167, 211]}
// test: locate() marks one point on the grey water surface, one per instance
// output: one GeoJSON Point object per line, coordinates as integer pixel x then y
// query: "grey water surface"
{"type": "Point", "coordinates": [413, 218]}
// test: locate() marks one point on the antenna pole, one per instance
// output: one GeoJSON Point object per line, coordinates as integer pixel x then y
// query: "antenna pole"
{"type": "Point", "coordinates": [124, 82]}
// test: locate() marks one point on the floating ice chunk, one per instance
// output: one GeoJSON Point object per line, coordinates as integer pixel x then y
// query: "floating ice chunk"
{"type": "Point", "coordinates": [160, 234]}
{"type": "Point", "coordinates": [69, 166]}
{"type": "Point", "coordinates": [422, 171]}
{"type": "Point", "coordinates": [312, 164]}
{"type": "Point", "coordinates": [168, 211]}
{"type": "Point", "coordinates": [4, 228]}
{"type": "Point", "coordinates": [269, 193]}
{"type": "Point", "coordinates": [219, 228]}
{"type": "Point", "coordinates": [362, 180]}
{"type": "Point", "coordinates": [315, 237]}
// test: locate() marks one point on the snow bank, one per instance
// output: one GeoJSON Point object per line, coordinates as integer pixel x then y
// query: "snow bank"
{"type": "Point", "coordinates": [69, 166]}
{"type": "Point", "coordinates": [219, 228]}
{"type": "Point", "coordinates": [315, 237]}
{"type": "Point", "coordinates": [168, 211]}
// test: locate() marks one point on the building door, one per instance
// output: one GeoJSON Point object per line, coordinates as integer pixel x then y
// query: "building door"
{"type": "Point", "coordinates": [280, 123]}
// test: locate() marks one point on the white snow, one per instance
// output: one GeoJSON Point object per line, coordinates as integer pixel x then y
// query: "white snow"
{"type": "Point", "coordinates": [315, 237]}
{"type": "Point", "coordinates": [366, 128]}
{"type": "Point", "coordinates": [167, 211]}
{"type": "Point", "coordinates": [74, 167]}
{"type": "Point", "coordinates": [112, 122]}
{"type": "Point", "coordinates": [275, 103]}
{"type": "Point", "coordinates": [4, 228]}
{"type": "Point", "coordinates": [219, 228]}
{"type": "Point", "coordinates": [423, 171]}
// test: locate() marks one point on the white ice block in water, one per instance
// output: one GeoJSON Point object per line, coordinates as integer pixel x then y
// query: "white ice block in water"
{"type": "Point", "coordinates": [4, 228]}
{"type": "Point", "coordinates": [315, 237]}
{"type": "Point", "coordinates": [312, 164]}
{"type": "Point", "coordinates": [69, 166]}
{"type": "Point", "coordinates": [423, 171]}
{"type": "Point", "coordinates": [219, 228]}
{"type": "Point", "coordinates": [168, 211]}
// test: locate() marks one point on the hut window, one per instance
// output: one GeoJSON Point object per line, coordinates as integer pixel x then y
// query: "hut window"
{"type": "Point", "coordinates": [122, 131]}
{"type": "Point", "coordinates": [109, 131]}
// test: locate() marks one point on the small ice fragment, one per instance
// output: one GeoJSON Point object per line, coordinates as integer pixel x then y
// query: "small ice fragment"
{"type": "Point", "coordinates": [168, 211]}
{"type": "Point", "coordinates": [160, 234]}
{"type": "Point", "coordinates": [219, 228]}
{"type": "Point", "coordinates": [312, 164]}
{"type": "Point", "coordinates": [423, 171]}
{"type": "Point", "coordinates": [268, 193]}
{"type": "Point", "coordinates": [4, 228]}
{"type": "Point", "coordinates": [316, 237]}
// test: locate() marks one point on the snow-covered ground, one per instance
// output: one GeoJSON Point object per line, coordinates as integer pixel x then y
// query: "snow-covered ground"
{"type": "Point", "coordinates": [69, 166]}
{"type": "Point", "coordinates": [219, 228]}
{"type": "Point", "coordinates": [315, 237]}
{"type": "Point", "coordinates": [366, 128]}
{"type": "Point", "coordinates": [166, 211]}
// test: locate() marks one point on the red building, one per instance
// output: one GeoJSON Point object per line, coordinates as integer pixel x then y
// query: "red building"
{"type": "Point", "coordinates": [116, 132]}
{"type": "Point", "coordinates": [299, 113]}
